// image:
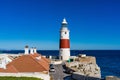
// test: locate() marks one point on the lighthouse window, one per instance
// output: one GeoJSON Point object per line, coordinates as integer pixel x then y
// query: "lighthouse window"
{"type": "Point", "coordinates": [65, 32]}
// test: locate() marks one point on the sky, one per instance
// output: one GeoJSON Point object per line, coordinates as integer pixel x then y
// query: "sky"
{"type": "Point", "coordinates": [93, 24]}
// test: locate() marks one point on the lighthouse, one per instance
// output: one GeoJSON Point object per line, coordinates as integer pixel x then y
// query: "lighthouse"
{"type": "Point", "coordinates": [64, 47]}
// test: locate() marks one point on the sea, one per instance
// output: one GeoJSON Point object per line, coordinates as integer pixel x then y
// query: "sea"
{"type": "Point", "coordinates": [107, 60]}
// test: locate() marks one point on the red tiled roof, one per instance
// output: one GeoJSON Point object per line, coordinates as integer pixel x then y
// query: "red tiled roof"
{"type": "Point", "coordinates": [28, 63]}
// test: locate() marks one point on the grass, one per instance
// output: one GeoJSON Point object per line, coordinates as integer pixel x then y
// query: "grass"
{"type": "Point", "coordinates": [19, 78]}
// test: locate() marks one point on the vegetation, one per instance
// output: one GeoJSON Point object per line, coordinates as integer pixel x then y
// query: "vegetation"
{"type": "Point", "coordinates": [18, 78]}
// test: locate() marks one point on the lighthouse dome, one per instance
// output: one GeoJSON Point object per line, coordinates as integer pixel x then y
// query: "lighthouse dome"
{"type": "Point", "coordinates": [64, 21]}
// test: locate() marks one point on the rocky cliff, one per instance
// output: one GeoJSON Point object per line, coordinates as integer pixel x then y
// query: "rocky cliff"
{"type": "Point", "coordinates": [85, 66]}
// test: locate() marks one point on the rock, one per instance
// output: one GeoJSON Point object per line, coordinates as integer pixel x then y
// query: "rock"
{"type": "Point", "coordinates": [86, 66]}
{"type": "Point", "coordinates": [112, 78]}
{"type": "Point", "coordinates": [87, 59]}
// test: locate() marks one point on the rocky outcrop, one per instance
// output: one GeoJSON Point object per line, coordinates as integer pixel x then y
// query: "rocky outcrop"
{"type": "Point", "coordinates": [112, 78]}
{"type": "Point", "coordinates": [85, 66]}
{"type": "Point", "coordinates": [87, 60]}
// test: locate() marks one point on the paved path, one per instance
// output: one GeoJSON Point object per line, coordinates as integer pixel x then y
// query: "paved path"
{"type": "Point", "coordinates": [59, 74]}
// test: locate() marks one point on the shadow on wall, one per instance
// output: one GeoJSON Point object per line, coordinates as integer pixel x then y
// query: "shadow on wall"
{"type": "Point", "coordinates": [82, 77]}
{"type": "Point", "coordinates": [90, 78]}
{"type": "Point", "coordinates": [67, 78]}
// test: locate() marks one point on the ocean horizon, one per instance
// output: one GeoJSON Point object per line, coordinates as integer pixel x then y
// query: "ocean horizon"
{"type": "Point", "coordinates": [107, 60]}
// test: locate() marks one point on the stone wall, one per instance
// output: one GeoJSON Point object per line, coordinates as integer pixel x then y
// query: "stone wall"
{"type": "Point", "coordinates": [87, 59]}
{"type": "Point", "coordinates": [78, 76]}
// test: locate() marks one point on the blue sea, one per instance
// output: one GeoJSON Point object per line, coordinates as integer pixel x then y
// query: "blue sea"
{"type": "Point", "coordinates": [108, 60]}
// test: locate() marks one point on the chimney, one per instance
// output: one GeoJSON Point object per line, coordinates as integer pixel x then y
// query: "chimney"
{"type": "Point", "coordinates": [35, 50]}
{"type": "Point", "coordinates": [31, 51]}
{"type": "Point", "coordinates": [26, 50]}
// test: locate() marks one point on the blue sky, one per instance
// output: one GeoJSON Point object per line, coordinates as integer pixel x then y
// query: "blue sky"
{"type": "Point", "coordinates": [93, 24]}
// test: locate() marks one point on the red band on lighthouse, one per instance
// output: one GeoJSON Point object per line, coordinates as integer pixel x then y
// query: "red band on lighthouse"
{"type": "Point", "coordinates": [64, 43]}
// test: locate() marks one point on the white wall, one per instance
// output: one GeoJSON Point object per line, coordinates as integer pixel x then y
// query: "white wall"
{"type": "Point", "coordinates": [56, 62]}
{"type": "Point", "coordinates": [36, 74]}
{"type": "Point", "coordinates": [65, 53]}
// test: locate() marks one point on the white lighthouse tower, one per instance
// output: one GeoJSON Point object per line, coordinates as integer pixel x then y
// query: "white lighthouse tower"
{"type": "Point", "coordinates": [64, 48]}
